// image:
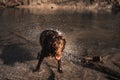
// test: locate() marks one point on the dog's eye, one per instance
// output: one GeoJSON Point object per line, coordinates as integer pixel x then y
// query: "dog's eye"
{"type": "Point", "coordinates": [59, 42]}
{"type": "Point", "coordinates": [54, 44]}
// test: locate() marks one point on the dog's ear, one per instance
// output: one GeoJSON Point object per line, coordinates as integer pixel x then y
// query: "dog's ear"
{"type": "Point", "coordinates": [61, 37]}
{"type": "Point", "coordinates": [64, 40]}
{"type": "Point", "coordinates": [64, 43]}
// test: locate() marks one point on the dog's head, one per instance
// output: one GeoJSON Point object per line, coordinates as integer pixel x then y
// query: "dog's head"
{"type": "Point", "coordinates": [58, 45]}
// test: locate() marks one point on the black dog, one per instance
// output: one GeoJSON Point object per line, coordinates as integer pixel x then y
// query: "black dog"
{"type": "Point", "coordinates": [52, 44]}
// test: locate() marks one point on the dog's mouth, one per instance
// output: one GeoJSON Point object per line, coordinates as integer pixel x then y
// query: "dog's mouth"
{"type": "Point", "coordinates": [58, 46]}
{"type": "Point", "coordinates": [58, 52]}
{"type": "Point", "coordinates": [58, 56]}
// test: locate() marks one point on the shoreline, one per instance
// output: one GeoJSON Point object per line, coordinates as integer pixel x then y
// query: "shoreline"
{"type": "Point", "coordinates": [78, 7]}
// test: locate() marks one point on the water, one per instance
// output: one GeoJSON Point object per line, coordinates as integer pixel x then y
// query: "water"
{"type": "Point", "coordinates": [85, 32]}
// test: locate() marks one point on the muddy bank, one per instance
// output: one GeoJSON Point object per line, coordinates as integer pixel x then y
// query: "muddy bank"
{"type": "Point", "coordinates": [74, 5]}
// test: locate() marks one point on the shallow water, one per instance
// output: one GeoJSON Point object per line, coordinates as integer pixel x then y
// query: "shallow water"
{"type": "Point", "coordinates": [85, 32]}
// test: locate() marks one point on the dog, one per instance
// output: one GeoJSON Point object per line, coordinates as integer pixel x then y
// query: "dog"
{"type": "Point", "coordinates": [52, 44]}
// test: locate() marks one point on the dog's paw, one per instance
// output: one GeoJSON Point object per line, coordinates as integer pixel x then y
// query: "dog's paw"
{"type": "Point", "coordinates": [60, 70]}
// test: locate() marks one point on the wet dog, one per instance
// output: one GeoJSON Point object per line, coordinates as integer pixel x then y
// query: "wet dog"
{"type": "Point", "coordinates": [52, 44]}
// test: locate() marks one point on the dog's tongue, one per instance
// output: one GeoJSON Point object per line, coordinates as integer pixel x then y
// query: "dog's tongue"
{"type": "Point", "coordinates": [58, 56]}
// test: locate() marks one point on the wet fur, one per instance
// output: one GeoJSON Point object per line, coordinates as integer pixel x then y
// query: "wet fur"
{"type": "Point", "coordinates": [53, 45]}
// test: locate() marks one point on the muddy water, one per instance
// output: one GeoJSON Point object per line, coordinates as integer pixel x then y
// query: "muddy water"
{"type": "Point", "coordinates": [86, 33]}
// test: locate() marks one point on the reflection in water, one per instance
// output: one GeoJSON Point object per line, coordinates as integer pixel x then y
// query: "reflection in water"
{"type": "Point", "coordinates": [84, 30]}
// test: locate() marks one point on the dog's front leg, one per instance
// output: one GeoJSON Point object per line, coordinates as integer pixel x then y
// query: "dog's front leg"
{"type": "Point", "coordinates": [41, 57]}
{"type": "Point", "coordinates": [59, 66]}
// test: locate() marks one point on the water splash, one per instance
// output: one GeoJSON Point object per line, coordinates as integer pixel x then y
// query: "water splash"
{"type": "Point", "coordinates": [57, 30]}
{"type": "Point", "coordinates": [72, 58]}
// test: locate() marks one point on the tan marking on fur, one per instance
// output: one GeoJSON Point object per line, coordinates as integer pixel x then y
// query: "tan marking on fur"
{"type": "Point", "coordinates": [59, 46]}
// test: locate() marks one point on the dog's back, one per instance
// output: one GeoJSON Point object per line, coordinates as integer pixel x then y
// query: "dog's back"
{"type": "Point", "coordinates": [47, 36]}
